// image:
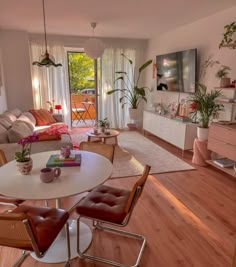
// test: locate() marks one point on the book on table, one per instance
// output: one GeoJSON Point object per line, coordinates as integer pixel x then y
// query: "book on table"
{"type": "Point", "coordinates": [224, 163]}
{"type": "Point", "coordinates": [58, 161]}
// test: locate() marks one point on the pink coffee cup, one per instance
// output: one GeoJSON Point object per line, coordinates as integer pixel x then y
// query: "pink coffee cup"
{"type": "Point", "coordinates": [47, 175]}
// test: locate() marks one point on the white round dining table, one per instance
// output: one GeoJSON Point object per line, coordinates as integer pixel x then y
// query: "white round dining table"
{"type": "Point", "coordinates": [93, 171]}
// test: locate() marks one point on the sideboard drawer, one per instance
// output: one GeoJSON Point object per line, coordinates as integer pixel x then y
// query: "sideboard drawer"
{"type": "Point", "coordinates": [222, 148]}
{"type": "Point", "coordinates": [225, 134]}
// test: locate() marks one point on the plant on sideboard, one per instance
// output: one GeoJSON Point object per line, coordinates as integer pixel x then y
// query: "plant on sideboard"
{"type": "Point", "coordinates": [203, 105]}
{"type": "Point", "coordinates": [131, 93]}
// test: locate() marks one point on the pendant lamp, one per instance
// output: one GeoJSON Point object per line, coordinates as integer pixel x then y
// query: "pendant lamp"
{"type": "Point", "coordinates": [46, 60]}
{"type": "Point", "coordinates": [94, 47]}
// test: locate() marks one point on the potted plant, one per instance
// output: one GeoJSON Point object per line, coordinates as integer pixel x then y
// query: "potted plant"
{"type": "Point", "coordinates": [131, 93]}
{"type": "Point", "coordinates": [222, 75]}
{"type": "Point", "coordinates": [24, 162]}
{"type": "Point", "coordinates": [204, 107]}
{"type": "Point", "coordinates": [103, 124]}
{"type": "Point", "coordinates": [229, 38]}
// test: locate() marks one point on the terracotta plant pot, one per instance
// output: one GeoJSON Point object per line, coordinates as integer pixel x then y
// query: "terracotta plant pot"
{"type": "Point", "coordinates": [224, 82]}
{"type": "Point", "coordinates": [24, 167]}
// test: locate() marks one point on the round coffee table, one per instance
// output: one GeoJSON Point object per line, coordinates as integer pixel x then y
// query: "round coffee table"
{"type": "Point", "coordinates": [103, 136]}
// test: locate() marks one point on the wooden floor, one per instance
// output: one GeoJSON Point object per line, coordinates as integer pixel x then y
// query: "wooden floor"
{"type": "Point", "coordinates": [188, 218]}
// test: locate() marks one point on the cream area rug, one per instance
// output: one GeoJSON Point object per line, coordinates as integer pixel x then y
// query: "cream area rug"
{"type": "Point", "coordinates": [134, 151]}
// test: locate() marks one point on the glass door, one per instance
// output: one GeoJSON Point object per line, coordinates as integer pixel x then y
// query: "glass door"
{"type": "Point", "coordinates": [82, 86]}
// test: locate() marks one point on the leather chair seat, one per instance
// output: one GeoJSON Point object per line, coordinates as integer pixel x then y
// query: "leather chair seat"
{"type": "Point", "coordinates": [46, 223]}
{"type": "Point", "coordinates": [105, 203]}
{"type": "Point", "coordinates": [9, 200]}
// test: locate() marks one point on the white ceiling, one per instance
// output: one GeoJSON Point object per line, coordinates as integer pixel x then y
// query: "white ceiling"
{"type": "Point", "coordinates": [123, 18]}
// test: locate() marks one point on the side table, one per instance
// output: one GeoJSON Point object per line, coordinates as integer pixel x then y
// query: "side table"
{"type": "Point", "coordinates": [200, 152]}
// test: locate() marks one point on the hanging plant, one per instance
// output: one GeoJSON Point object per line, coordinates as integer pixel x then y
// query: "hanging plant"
{"type": "Point", "coordinates": [230, 29]}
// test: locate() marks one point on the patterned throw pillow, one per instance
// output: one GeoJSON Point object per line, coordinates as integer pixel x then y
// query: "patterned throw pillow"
{"type": "Point", "coordinates": [42, 116]}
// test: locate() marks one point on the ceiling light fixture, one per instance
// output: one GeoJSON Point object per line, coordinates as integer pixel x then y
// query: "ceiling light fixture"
{"type": "Point", "coordinates": [46, 60]}
{"type": "Point", "coordinates": [94, 47]}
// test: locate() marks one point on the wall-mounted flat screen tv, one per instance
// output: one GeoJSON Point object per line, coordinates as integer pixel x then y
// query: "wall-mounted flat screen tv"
{"type": "Point", "coordinates": [176, 72]}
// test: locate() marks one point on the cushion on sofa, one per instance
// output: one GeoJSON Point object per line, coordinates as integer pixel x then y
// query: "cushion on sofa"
{"type": "Point", "coordinates": [42, 116]}
{"type": "Point", "coordinates": [18, 130]}
{"type": "Point", "coordinates": [17, 112]}
{"type": "Point", "coordinates": [26, 120]}
{"type": "Point", "coordinates": [10, 116]}
{"type": "Point", "coordinates": [5, 122]}
{"type": "Point", "coordinates": [30, 116]}
{"type": "Point", "coordinates": [3, 135]}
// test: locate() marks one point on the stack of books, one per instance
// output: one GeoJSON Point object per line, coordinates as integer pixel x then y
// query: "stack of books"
{"type": "Point", "coordinates": [182, 118]}
{"type": "Point", "coordinates": [58, 161]}
{"type": "Point", "coordinates": [224, 163]}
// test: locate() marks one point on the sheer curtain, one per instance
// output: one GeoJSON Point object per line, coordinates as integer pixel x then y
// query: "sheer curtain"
{"type": "Point", "coordinates": [49, 83]}
{"type": "Point", "coordinates": [109, 105]}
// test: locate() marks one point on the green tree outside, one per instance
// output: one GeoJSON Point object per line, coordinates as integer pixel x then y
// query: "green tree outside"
{"type": "Point", "coordinates": [81, 71]}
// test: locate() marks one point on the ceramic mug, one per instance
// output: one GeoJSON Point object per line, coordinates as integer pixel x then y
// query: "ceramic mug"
{"type": "Point", "coordinates": [47, 175]}
{"type": "Point", "coordinates": [65, 151]}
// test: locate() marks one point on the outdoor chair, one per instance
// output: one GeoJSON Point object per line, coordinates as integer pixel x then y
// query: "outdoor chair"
{"type": "Point", "coordinates": [114, 206]}
{"type": "Point", "coordinates": [103, 149]}
{"type": "Point", "coordinates": [33, 229]}
{"type": "Point", "coordinates": [78, 113]}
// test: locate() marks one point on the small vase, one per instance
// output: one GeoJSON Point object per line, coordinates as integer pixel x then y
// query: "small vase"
{"type": "Point", "coordinates": [24, 167]}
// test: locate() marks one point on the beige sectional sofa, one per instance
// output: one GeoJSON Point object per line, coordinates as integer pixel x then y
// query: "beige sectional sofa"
{"type": "Point", "coordinates": [16, 124]}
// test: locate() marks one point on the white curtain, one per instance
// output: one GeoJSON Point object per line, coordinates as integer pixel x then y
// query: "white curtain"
{"type": "Point", "coordinates": [49, 83]}
{"type": "Point", "coordinates": [109, 105]}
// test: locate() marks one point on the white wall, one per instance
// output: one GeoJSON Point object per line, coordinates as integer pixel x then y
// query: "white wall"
{"type": "Point", "coordinates": [205, 35]}
{"type": "Point", "coordinates": [16, 69]}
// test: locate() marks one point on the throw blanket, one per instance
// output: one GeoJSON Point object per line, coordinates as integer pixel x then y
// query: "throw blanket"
{"type": "Point", "coordinates": [54, 132]}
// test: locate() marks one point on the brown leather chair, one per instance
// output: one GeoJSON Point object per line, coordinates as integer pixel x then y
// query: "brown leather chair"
{"type": "Point", "coordinates": [109, 205]}
{"type": "Point", "coordinates": [28, 228]}
{"type": "Point", "coordinates": [103, 149]}
{"type": "Point", "coordinates": [7, 200]}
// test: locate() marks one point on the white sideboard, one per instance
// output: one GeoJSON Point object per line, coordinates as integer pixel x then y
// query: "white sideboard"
{"type": "Point", "coordinates": [179, 134]}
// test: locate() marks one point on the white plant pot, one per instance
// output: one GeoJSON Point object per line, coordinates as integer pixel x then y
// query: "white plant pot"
{"type": "Point", "coordinates": [202, 133]}
{"type": "Point", "coordinates": [133, 114]}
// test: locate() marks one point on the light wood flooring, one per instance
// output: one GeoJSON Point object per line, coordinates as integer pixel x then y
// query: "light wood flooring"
{"type": "Point", "coordinates": [188, 218]}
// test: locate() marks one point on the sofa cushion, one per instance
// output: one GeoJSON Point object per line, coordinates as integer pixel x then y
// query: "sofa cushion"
{"type": "Point", "coordinates": [5, 122]}
{"type": "Point", "coordinates": [42, 116]}
{"type": "Point", "coordinates": [18, 130]}
{"type": "Point", "coordinates": [17, 112]}
{"type": "Point", "coordinates": [3, 135]}
{"type": "Point", "coordinates": [30, 116]}
{"type": "Point", "coordinates": [26, 120]}
{"type": "Point", "coordinates": [10, 116]}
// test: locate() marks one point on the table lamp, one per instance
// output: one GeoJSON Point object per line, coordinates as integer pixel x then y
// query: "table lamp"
{"type": "Point", "coordinates": [58, 108]}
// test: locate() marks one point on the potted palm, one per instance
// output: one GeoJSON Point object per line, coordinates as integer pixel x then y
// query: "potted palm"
{"type": "Point", "coordinates": [131, 93]}
{"type": "Point", "coordinates": [222, 75]}
{"type": "Point", "coordinates": [204, 107]}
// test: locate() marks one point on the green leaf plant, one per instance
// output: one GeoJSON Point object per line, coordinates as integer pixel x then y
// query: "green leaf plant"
{"type": "Point", "coordinates": [229, 31]}
{"type": "Point", "coordinates": [131, 93]}
{"type": "Point", "coordinates": [203, 104]}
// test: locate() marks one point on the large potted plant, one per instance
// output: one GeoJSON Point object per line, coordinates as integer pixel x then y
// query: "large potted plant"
{"type": "Point", "coordinates": [204, 107]}
{"type": "Point", "coordinates": [131, 93]}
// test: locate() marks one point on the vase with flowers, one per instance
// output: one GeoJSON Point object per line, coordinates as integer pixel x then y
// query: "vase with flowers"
{"type": "Point", "coordinates": [203, 107]}
{"type": "Point", "coordinates": [24, 162]}
{"type": "Point", "coordinates": [51, 105]}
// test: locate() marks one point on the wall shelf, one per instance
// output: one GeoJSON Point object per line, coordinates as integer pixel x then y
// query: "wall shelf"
{"type": "Point", "coordinates": [231, 45]}
{"type": "Point", "coordinates": [229, 171]}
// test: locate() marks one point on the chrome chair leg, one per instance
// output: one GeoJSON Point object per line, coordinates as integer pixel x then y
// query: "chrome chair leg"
{"type": "Point", "coordinates": [23, 255]}
{"type": "Point", "coordinates": [100, 225]}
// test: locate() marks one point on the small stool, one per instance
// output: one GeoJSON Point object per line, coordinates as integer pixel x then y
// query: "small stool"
{"type": "Point", "coordinates": [200, 152]}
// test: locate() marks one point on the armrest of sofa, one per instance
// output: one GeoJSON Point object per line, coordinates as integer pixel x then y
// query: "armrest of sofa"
{"type": "Point", "coordinates": [41, 146]}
